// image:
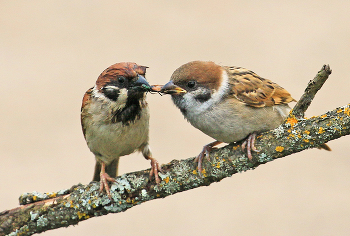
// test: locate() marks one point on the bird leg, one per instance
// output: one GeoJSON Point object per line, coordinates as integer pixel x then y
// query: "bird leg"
{"type": "Point", "coordinates": [104, 178]}
{"type": "Point", "coordinates": [205, 152]}
{"type": "Point", "coordinates": [155, 167]}
{"type": "Point", "coordinates": [250, 143]}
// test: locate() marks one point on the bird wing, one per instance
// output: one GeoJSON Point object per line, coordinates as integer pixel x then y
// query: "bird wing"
{"type": "Point", "coordinates": [255, 91]}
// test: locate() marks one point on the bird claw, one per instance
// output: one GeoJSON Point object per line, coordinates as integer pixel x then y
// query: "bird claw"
{"type": "Point", "coordinates": [104, 178]}
{"type": "Point", "coordinates": [250, 143]}
{"type": "Point", "coordinates": [155, 169]}
{"type": "Point", "coordinates": [199, 159]}
{"type": "Point", "coordinates": [205, 153]}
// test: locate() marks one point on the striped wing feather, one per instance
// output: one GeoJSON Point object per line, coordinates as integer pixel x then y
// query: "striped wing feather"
{"type": "Point", "coordinates": [255, 91]}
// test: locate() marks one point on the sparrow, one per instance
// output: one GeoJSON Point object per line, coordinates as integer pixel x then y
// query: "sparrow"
{"type": "Point", "coordinates": [227, 103]}
{"type": "Point", "coordinates": [115, 120]}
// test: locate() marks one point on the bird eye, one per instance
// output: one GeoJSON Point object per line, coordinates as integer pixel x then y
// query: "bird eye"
{"type": "Point", "coordinates": [191, 84]}
{"type": "Point", "coordinates": [121, 80]}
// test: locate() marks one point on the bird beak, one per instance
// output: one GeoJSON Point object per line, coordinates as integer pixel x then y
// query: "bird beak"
{"type": "Point", "coordinates": [171, 88]}
{"type": "Point", "coordinates": [141, 83]}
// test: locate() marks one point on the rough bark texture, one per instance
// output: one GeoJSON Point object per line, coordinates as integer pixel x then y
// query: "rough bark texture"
{"type": "Point", "coordinates": [42, 212]}
{"type": "Point", "coordinates": [310, 91]}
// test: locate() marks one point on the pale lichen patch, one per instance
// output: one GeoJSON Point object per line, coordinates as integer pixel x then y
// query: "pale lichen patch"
{"type": "Point", "coordinates": [279, 131]}
{"type": "Point", "coordinates": [42, 221]}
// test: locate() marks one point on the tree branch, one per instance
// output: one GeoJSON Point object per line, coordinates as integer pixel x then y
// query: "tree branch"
{"type": "Point", "coordinates": [42, 212]}
{"type": "Point", "coordinates": [310, 91]}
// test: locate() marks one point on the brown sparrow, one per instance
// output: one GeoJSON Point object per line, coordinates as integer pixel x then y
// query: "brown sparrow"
{"type": "Point", "coordinates": [227, 103]}
{"type": "Point", "coordinates": [115, 120]}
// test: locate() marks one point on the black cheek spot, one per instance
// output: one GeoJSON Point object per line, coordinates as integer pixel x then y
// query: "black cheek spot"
{"type": "Point", "coordinates": [112, 94]}
{"type": "Point", "coordinates": [203, 97]}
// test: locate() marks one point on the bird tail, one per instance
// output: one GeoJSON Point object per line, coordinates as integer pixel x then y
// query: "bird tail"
{"type": "Point", "coordinates": [111, 169]}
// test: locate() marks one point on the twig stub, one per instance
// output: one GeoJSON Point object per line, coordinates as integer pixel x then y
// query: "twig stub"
{"type": "Point", "coordinates": [310, 92]}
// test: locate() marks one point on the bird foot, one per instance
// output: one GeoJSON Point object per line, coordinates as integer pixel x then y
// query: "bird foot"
{"type": "Point", "coordinates": [205, 153]}
{"type": "Point", "coordinates": [104, 179]}
{"type": "Point", "coordinates": [155, 169]}
{"type": "Point", "coordinates": [250, 143]}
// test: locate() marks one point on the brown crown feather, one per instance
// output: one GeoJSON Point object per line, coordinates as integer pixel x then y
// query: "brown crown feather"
{"type": "Point", "coordinates": [126, 69]}
{"type": "Point", "coordinates": [204, 72]}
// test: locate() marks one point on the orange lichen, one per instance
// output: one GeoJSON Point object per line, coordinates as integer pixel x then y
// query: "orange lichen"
{"type": "Point", "coordinates": [321, 130]}
{"type": "Point", "coordinates": [166, 180]}
{"type": "Point", "coordinates": [347, 111]}
{"type": "Point", "coordinates": [82, 214]}
{"type": "Point", "coordinates": [204, 173]}
{"type": "Point", "coordinates": [306, 140]}
{"type": "Point", "coordinates": [194, 172]}
{"type": "Point", "coordinates": [307, 132]}
{"type": "Point", "coordinates": [292, 121]}
{"type": "Point", "coordinates": [34, 198]}
{"type": "Point", "coordinates": [324, 116]}
{"type": "Point", "coordinates": [218, 165]}
{"type": "Point", "coordinates": [279, 149]}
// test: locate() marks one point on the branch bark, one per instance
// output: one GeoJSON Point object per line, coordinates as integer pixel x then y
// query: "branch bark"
{"type": "Point", "coordinates": [42, 212]}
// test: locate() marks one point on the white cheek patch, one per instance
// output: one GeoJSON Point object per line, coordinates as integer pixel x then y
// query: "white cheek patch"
{"type": "Point", "coordinates": [96, 93]}
{"type": "Point", "coordinates": [121, 101]}
{"type": "Point", "coordinates": [123, 96]}
{"type": "Point", "coordinates": [111, 87]}
{"type": "Point", "coordinates": [198, 107]}
{"type": "Point", "coordinates": [224, 87]}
